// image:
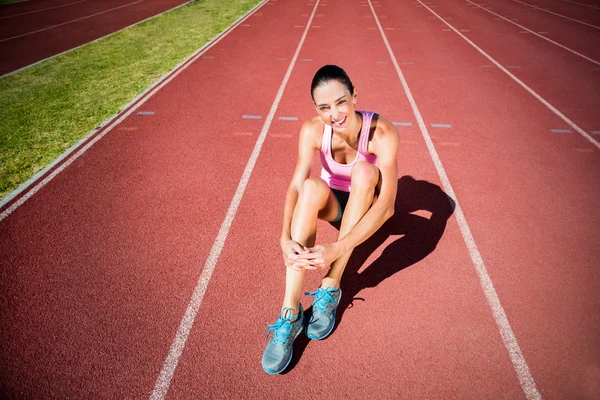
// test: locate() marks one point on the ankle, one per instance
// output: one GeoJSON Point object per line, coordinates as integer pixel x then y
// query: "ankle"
{"type": "Point", "coordinates": [327, 282]}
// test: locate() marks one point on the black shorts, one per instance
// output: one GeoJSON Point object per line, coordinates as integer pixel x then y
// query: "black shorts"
{"type": "Point", "coordinates": [342, 199]}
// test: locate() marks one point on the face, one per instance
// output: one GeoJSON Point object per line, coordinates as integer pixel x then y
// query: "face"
{"type": "Point", "coordinates": [335, 105]}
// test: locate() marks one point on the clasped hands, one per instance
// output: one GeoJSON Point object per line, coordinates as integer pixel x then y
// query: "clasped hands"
{"type": "Point", "coordinates": [298, 257]}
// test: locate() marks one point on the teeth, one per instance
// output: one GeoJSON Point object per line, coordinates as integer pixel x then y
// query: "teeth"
{"type": "Point", "coordinates": [340, 122]}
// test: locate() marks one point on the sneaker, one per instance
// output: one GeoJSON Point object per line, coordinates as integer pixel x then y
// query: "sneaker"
{"type": "Point", "coordinates": [323, 314]}
{"type": "Point", "coordinates": [278, 352]}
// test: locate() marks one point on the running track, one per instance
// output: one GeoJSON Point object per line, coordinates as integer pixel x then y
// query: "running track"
{"type": "Point", "coordinates": [35, 30]}
{"type": "Point", "coordinates": [100, 265]}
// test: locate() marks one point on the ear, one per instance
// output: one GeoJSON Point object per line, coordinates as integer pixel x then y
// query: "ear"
{"type": "Point", "coordinates": [355, 95]}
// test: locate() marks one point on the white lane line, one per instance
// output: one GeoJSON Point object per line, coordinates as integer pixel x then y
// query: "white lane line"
{"type": "Point", "coordinates": [523, 85]}
{"type": "Point", "coordinates": [75, 151]}
{"type": "Point", "coordinates": [95, 40]}
{"type": "Point", "coordinates": [168, 370]}
{"type": "Point", "coordinates": [506, 332]}
{"type": "Point", "coordinates": [581, 4]}
{"type": "Point", "coordinates": [536, 34]}
{"type": "Point", "coordinates": [69, 22]}
{"type": "Point", "coordinates": [43, 9]}
{"type": "Point", "coordinates": [559, 15]}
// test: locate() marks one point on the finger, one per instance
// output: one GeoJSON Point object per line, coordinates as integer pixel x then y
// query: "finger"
{"type": "Point", "coordinates": [311, 267]}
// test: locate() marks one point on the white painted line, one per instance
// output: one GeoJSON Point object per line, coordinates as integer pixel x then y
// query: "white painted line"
{"type": "Point", "coordinates": [559, 15]}
{"type": "Point", "coordinates": [168, 370]}
{"type": "Point", "coordinates": [523, 85]}
{"type": "Point", "coordinates": [513, 67]}
{"type": "Point", "coordinates": [288, 118]}
{"type": "Point", "coordinates": [145, 113]}
{"type": "Point", "coordinates": [306, 59]}
{"type": "Point", "coordinates": [596, 132]}
{"type": "Point", "coordinates": [95, 40]}
{"type": "Point", "coordinates": [69, 22]}
{"type": "Point", "coordinates": [75, 151]}
{"type": "Point", "coordinates": [43, 9]}
{"type": "Point", "coordinates": [506, 332]}
{"type": "Point", "coordinates": [441, 126]}
{"type": "Point", "coordinates": [561, 131]}
{"type": "Point", "coordinates": [381, 62]}
{"type": "Point", "coordinates": [281, 59]}
{"type": "Point", "coordinates": [251, 116]}
{"type": "Point", "coordinates": [538, 35]}
{"type": "Point", "coordinates": [402, 123]}
{"type": "Point", "coordinates": [584, 5]}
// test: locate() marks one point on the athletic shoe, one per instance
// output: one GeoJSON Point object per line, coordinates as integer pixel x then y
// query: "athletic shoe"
{"type": "Point", "coordinates": [323, 312]}
{"type": "Point", "coordinates": [278, 352]}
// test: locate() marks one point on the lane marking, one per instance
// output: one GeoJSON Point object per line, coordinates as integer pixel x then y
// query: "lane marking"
{"type": "Point", "coordinates": [527, 30]}
{"type": "Point", "coordinates": [523, 85]}
{"type": "Point", "coordinates": [208, 57]}
{"type": "Point", "coordinates": [32, 186]}
{"type": "Point", "coordinates": [43, 9]}
{"type": "Point", "coordinates": [561, 131]}
{"type": "Point", "coordinates": [281, 135]}
{"type": "Point", "coordinates": [447, 126]}
{"type": "Point", "coordinates": [581, 4]}
{"type": "Point", "coordinates": [449, 144]}
{"type": "Point", "coordinates": [251, 116]}
{"type": "Point", "coordinates": [513, 66]}
{"type": "Point", "coordinates": [306, 59]}
{"type": "Point", "coordinates": [166, 374]}
{"type": "Point", "coordinates": [281, 59]}
{"type": "Point", "coordinates": [402, 123]}
{"type": "Point", "coordinates": [506, 332]}
{"type": "Point", "coordinates": [559, 15]}
{"type": "Point", "coordinates": [288, 118]}
{"type": "Point", "coordinates": [381, 62]}
{"type": "Point", "coordinates": [596, 132]}
{"type": "Point", "coordinates": [127, 128]}
{"type": "Point", "coordinates": [145, 113]}
{"type": "Point", "coordinates": [69, 22]}
{"type": "Point", "coordinates": [242, 133]}
{"type": "Point", "coordinates": [95, 40]}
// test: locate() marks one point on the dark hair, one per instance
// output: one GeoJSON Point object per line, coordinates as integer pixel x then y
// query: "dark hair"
{"type": "Point", "coordinates": [329, 73]}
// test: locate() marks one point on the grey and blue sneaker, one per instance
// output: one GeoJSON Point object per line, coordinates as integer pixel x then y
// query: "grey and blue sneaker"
{"type": "Point", "coordinates": [278, 352]}
{"type": "Point", "coordinates": [323, 312]}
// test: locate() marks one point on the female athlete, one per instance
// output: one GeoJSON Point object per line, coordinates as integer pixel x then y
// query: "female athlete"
{"type": "Point", "coordinates": [357, 187]}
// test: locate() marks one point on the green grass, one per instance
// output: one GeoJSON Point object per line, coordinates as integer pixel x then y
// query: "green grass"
{"type": "Point", "coordinates": [45, 109]}
{"type": "Point", "coordinates": [11, 1]}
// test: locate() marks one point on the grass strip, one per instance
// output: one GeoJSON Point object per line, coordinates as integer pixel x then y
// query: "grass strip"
{"type": "Point", "coordinates": [45, 109]}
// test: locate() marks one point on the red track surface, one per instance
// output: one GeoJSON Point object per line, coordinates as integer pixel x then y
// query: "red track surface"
{"type": "Point", "coordinates": [98, 267]}
{"type": "Point", "coordinates": [19, 48]}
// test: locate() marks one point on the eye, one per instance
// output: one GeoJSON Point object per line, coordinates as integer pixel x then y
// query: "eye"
{"type": "Point", "coordinates": [323, 109]}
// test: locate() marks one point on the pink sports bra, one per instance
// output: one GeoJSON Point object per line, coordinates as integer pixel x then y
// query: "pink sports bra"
{"type": "Point", "coordinates": [338, 175]}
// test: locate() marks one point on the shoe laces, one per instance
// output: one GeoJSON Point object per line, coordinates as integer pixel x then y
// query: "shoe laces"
{"type": "Point", "coordinates": [281, 328]}
{"type": "Point", "coordinates": [323, 297]}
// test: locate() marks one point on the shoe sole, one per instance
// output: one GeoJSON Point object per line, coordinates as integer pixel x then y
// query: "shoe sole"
{"type": "Point", "coordinates": [268, 371]}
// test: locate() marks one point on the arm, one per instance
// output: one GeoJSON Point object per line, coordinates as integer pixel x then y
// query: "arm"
{"type": "Point", "coordinates": [386, 148]}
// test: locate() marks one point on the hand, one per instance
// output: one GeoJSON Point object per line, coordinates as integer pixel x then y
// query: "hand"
{"type": "Point", "coordinates": [321, 256]}
{"type": "Point", "coordinates": [291, 250]}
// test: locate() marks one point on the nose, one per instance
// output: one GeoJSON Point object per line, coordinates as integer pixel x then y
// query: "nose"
{"type": "Point", "coordinates": [335, 113]}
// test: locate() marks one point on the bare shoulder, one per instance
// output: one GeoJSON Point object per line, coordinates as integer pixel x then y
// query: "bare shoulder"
{"type": "Point", "coordinates": [312, 131]}
{"type": "Point", "coordinates": [385, 137]}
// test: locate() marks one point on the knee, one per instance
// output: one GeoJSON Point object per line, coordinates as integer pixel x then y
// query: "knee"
{"type": "Point", "coordinates": [365, 176]}
{"type": "Point", "coordinates": [314, 191]}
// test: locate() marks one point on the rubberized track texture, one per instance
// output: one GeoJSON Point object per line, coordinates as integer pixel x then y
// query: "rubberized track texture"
{"type": "Point", "coordinates": [139, 271]}
{"type": "Point", "coordinates": [36, 30]}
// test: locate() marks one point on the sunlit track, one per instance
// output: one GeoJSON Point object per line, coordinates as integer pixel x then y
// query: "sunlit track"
{"type": "Point", "coordinates": [558, 15]}
{"type": "Point", "coordinates": [581, 4]}
{"type": "Point", "coordinates": [70, 22]}
{"type": "Point", "coordinates": [508, 336]}
{"type": "Point", "coordinates": [43, 9]}
{"type": "Point", "coordinates": [535, 33]}
{"type": "Point", "coordinates": [517, 80]}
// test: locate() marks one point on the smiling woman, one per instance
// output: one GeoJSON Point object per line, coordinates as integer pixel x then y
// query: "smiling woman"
{"type": "Point", "coordinates": [357, 189]}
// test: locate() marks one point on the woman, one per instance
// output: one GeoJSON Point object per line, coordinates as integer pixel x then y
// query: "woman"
{"type": "Point", "coordinates": [357, 187]}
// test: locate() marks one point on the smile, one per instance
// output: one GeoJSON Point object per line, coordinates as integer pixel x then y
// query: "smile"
{"type": "Point", "coordinates": [340, 123]}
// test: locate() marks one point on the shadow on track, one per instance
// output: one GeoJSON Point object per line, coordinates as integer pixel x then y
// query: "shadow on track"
{"type": "Point", "coordinates": [421, 236]}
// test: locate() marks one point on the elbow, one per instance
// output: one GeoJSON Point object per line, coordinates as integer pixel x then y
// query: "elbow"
{"type": "Point", "coordinates": [389, 213]}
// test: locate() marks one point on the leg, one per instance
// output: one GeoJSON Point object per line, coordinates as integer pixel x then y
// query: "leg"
{"type": "Point", "coordinates": [315, 201]}
{"type": "Point", "coordinates": [365, 180]}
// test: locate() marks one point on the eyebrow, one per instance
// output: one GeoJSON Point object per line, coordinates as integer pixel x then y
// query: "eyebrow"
{"type": "Point", "coordinates": [323, 105]}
